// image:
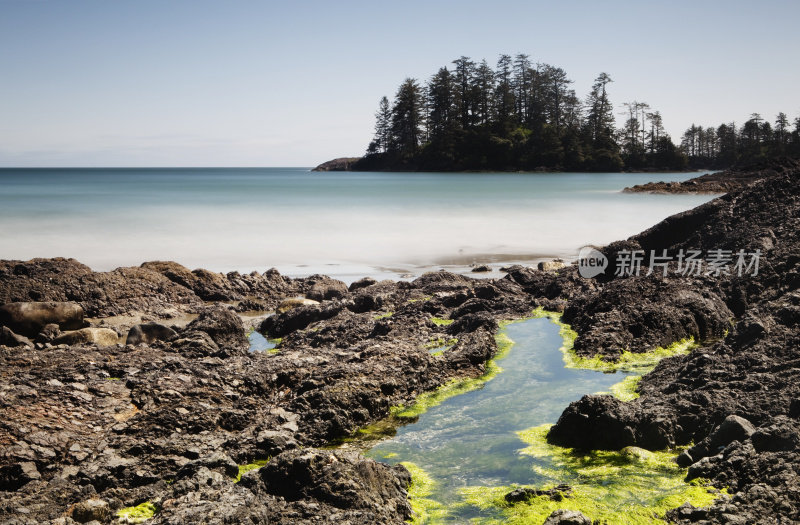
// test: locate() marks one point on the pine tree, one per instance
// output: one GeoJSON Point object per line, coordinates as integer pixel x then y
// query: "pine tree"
{"type": "Point", "coordinates": [407, 118]}
{"type": "Point", "coordinates": [383, 126]}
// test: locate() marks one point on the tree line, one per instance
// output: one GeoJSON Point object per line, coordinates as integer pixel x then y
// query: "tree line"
{"type": "Point", "coordinates": [724, 145]}
{"type": "Point", "coordinates": [521, 115]}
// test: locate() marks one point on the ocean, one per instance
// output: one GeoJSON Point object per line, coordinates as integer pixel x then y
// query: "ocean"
{"type": "Point", "coordinates": [338, 223]}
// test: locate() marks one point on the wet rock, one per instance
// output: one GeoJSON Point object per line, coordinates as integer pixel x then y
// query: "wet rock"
{"type": "Point", "coordinates": [595, 422]}
{"type": "Point", "coordinates": [224, 327]}
{"type": "Point", "coordinates": [557, 493]}
{"type": "Point", "coordinates": [149, 333]}
{"type": "Point", "coordinates": [481, 268]}
{"type": "Point", "coordinates": [299, 318]}
{"type": "Point", "coordinates": [567, 517]}
{"type": "Point", "coordinates": [325, 289]}
{"type": "Point", "coordinates": [28, 318]}
{"type": "Point", "coordinates": [97, 336]}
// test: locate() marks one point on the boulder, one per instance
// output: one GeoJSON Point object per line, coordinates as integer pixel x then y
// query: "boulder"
{"type": "Point", "coordinates": [481, 268]}
{"type": "Point", "coordinates": [28, 319]}
{"type": "Point", "coordinates": [734, 428]}
{"type": "Point", "coordinates": [325, 289]}
{"type": "Point", "coordinates": [88, 336]}
{"type": "Point", "coordinates": [595, 423]}
{"type": "Point", "coordinates": [224, 327]}
{"type": "Point", "coordinates": [149, 333]}
{"type": "Point", "coordinates": [342, 479]}
{"type": "Point", "coordinates": [567, 517]}
{"type": "Point", "coordinates": [361, 283]}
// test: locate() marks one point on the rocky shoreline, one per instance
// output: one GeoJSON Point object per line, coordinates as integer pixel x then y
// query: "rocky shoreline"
{"type": "Point", "coordinates": [90, 425]}
{"type": "Point", "coordinates": [722, 181]}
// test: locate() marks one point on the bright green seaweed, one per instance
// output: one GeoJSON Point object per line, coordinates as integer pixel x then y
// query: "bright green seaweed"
{"type": "Point", "coordinates": [425, 509]}
{"type": "Point", "coordinates": [641, 362]}
{"type": "Point", "coordinates": [630, 487]}
{"type": "Point", "coordinates": [456, 386]}
{"type": "Point", "coordinates": [243, 469]}
{"type": "Point", "coordinates": [138, 514]}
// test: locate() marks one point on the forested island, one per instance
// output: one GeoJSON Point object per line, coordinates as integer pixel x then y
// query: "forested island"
{"type": "Point", "coordinates": [523, 115]}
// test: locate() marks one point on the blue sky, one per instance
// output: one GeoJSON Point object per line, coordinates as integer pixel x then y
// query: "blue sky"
{"type": "Point", "coordinates": [245, 83]}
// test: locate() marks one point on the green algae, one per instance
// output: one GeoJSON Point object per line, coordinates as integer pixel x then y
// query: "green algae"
{"type": "Point", "coordinates": [640, 362]}
{"type": "Point", "coordinates": [422, 299]}
{"type": "Point", "coordinates": [440, 341]}
{"type": "Point", "coordinates": [625, 390]}
{"type": "Point", "coordinates": [138, 514]}
{"type": "Point", "coordinates": [438, 321]}
{"type": "Point", "coordinates": [383, 316]}
{"type": "Point", "coordinates": [456, 386]}
{"type": "Point", "coordinates": [243, 469]}
{"type": "Point", "coordinates": [425, 510]}
{"type": "Point", "coordinates": [632, 486]}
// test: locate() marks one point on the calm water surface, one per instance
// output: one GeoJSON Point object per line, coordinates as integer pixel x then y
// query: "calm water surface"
{"type": "Point", "coordinates": [346, 224]}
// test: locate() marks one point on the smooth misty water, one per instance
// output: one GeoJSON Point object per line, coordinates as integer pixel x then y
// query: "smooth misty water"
{"type": "Point", "coordinates": [345, 224]}
{"type": "Point", "coordinates": [470, 439]}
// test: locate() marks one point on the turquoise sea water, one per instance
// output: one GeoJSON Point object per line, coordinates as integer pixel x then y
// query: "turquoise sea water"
{"type": "Point", "coordinates": [345, 224]}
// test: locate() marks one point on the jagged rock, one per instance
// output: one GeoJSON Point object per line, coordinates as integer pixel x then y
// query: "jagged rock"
{"type": "Point", "coordinates": [224, 327]}
{"type": "Point", "coordinates": [481, 268]}
{"type": "Point", "coordinates": [342, 479]}
{"type": "Point", "coordinates": [16, 475]}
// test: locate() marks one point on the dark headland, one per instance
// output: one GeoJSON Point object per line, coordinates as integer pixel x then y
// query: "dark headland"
{"type": "Point", "coordinates": [89, 425]}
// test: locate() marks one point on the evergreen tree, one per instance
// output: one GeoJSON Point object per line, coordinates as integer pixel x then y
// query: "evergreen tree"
{"type": "Point", "coordinates": [483, 92]}
{"type": "Point", "coordinates": [463, 73]}
{"type": "Point", "coordinates": [383, 126]}
{"type": "Point", "coordinates": [600, 116]}
{"type": "Point", "coordinates": [504, 95]}
{"type": "Point", "coordinates": [406, 119]}
{"type": "Point", "coordinates": [441, 118]}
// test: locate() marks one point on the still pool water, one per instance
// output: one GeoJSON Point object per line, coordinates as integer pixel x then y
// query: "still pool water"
{"type": "Point", "coordinates": [470, 440]}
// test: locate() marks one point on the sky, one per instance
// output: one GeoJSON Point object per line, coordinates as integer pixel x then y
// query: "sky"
{"type": "Point", "coordinates": [268, 83]}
